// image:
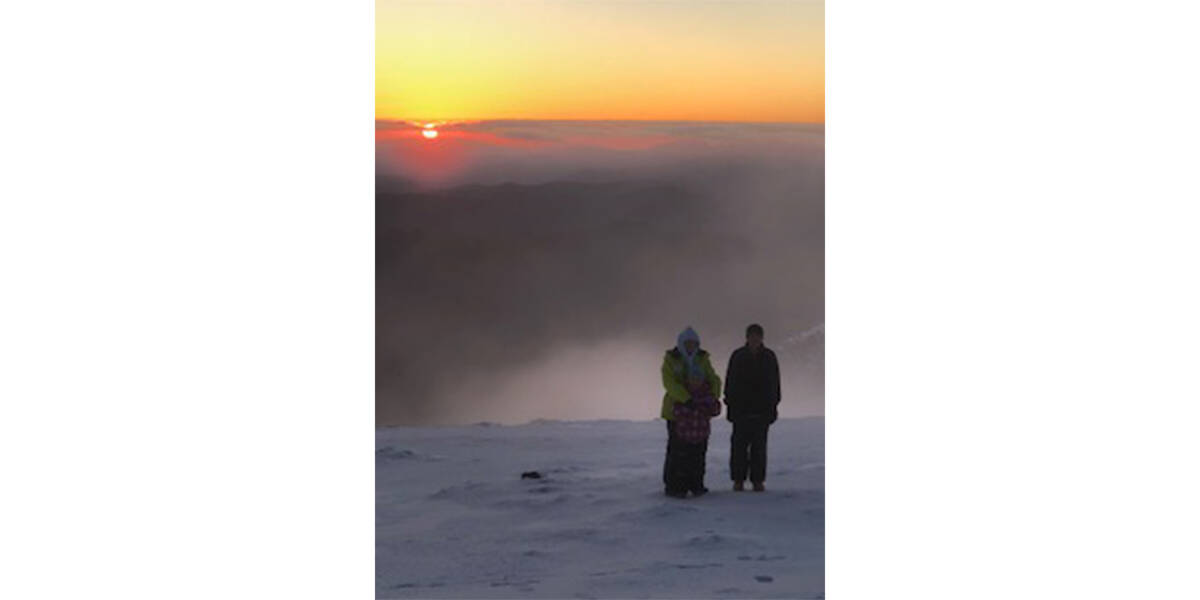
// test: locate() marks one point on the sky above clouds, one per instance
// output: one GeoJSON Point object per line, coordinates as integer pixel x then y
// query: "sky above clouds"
{"type": "Point", "coordinates": [703, 60]}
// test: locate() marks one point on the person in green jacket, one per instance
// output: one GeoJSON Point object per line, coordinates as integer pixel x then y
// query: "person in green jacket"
{"type": "Point", "coordinates": [683, 469]}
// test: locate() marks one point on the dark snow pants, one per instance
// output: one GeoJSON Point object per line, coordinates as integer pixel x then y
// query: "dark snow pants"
{"type": "Point", "coordinates": [683, 470]}
{"type": "Point", "coordinates": [748, 450]}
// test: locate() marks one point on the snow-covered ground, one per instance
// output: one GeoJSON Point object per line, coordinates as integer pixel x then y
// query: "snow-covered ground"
{"type": "Point", "coordinates": [454, 519]}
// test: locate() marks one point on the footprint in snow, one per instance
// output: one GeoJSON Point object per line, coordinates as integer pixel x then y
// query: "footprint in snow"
{"type": "Point", "coordinates": [697, 566]}
{"type": "Point", "coordinates": [392, 452]}
{"type": "Point", "coordinates": [519, 584]}
{"type": "Point", "coordinates": [764, 578]}
{"type": "Point", "coordinates": [401, 586]}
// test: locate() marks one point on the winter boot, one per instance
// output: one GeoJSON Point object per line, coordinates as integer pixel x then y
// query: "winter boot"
{"type": "Point", "coordinates": [739, 486]}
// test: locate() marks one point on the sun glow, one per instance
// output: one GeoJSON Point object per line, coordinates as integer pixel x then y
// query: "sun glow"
{"type": "Point", "coordinates": [429, 132]}
{"type": "Point", "coordinates": [714, 61]}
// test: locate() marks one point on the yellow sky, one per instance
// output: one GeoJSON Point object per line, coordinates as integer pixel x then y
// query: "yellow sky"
{"type": "Point", "coordinates": [728, 60]}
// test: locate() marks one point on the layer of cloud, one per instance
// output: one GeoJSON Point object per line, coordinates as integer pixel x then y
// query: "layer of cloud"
{"type": "Point", "coordinates": [539, 269]}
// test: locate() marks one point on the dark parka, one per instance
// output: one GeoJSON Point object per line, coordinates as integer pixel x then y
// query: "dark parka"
{"type": "Point", "coordinates": [752, 385]}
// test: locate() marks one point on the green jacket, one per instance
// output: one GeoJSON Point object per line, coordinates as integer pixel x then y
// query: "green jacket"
{"type": "Point", "coordinates": [673, 379]}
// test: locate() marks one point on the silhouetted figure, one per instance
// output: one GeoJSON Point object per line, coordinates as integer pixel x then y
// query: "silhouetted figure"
{"type": "Point", "coordinates": [752, 400]}
{"type": "Point", "coordinates": [690, 402]}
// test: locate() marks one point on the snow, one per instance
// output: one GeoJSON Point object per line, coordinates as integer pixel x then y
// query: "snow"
{"type": "Point", "coordinates": [454, 518]}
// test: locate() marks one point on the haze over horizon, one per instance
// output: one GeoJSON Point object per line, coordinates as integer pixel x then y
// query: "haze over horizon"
{"type": "Point", "coordinates": [537, 150]}
{"type": "Point", "coordinates": [538, 269]}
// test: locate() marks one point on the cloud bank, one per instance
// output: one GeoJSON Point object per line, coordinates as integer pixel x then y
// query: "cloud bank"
{"type": "Point", "coordinates": [539, 269]}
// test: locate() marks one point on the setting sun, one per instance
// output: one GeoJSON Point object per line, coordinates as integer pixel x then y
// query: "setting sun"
{"type": "Point", "coordinates": [429, 132]}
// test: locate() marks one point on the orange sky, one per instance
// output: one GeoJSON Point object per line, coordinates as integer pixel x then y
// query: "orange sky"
{"type": "Point", "coordinates": [729, 60]}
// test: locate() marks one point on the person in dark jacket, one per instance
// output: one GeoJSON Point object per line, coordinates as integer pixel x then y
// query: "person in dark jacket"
{"type": "Point", "coordinates": [752, 400]}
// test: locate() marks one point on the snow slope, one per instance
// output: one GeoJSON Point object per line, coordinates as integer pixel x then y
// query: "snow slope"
{"type": "Point", "coordinates": [454, 519]}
